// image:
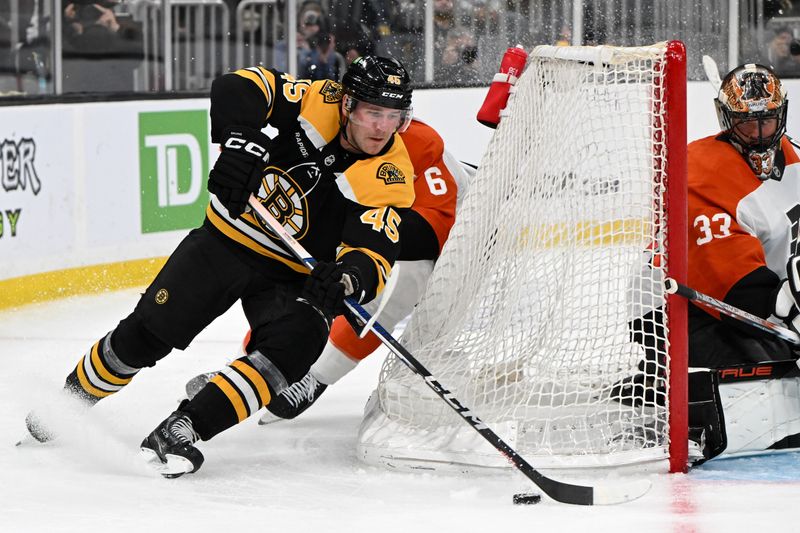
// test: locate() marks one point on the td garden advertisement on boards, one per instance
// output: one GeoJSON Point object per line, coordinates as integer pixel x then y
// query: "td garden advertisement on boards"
{"type": "Point", "coordinates": [96, 183]}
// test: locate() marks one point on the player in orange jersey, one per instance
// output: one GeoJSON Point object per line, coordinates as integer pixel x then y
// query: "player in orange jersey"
{"type": "Point", "coordinates": [438, 181]}
{"type": "Point", "coordinates": [744, 214]}
{"type": "Point", "coordinates": [744, 210]}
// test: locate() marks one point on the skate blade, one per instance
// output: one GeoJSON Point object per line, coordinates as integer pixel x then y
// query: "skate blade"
{"type": "Point", "coordinates": [28, 440]}
{"type": "Point", "coordinates": [268, 418]}
{"type": "Point", "coordinates": [176, 466]}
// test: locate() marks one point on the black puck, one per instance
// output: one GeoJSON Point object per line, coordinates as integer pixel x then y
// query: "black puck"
{"type": "Point", "coordinates": [527, 498]}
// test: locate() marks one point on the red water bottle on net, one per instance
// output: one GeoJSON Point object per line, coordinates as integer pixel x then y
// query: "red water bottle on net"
{"type": "Point", "coordinates": [511, 68]}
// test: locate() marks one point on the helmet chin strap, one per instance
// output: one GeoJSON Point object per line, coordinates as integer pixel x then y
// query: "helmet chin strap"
{"type": "Point", "coordinates": [351, 142]}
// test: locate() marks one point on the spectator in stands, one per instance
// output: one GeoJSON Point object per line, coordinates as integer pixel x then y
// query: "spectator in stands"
{"type": "Point", "coordinates": [779, 53]}
{"type": "Point", "coordinates": [101, 50]}
{"type": "Point", "coordinates": [444, 20]}
{"type": "Point", "coordinates": [369, 19]}
{"type": "Point", "coordinates": [564, 37]}
{"type": "Point", "coordinates": [316, 56]}
{"type": "Point", "coordinates": [354, 45]}
{"type": "Point", "coordinates": [459, 63]}
{"type": "Point", "coordinates": [321, 61]}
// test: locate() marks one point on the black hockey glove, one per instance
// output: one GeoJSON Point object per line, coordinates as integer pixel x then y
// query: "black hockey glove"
{"type": "Point", "coordinates": [328, 285]}
{"type": "Point", "coordinates": [788, 295]}
{"type": "Point", "coordinates": [239, 168]}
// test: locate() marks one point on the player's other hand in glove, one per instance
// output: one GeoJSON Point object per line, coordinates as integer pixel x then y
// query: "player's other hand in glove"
{"type": "Point", "coordinates": [788, 296]}
{"type": "Point", "coordinates": [328, 285]}
{"type": "Point", "coordinates": [239, 168]}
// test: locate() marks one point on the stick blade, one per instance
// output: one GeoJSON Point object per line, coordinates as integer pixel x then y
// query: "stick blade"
{"type": "Point", "coordinates": [712, 72]}
{"type": "Point", "coordinates": [621, 493]}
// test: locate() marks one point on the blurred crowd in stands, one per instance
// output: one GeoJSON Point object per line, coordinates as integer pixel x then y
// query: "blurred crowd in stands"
{"type": "Point", "coordinates": [113, 45]}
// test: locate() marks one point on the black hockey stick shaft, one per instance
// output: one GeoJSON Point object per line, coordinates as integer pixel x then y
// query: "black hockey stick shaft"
{"type": "Point", "coordinates": [673, 287]}
{"type": "Point", "coordinates": [559, 491]}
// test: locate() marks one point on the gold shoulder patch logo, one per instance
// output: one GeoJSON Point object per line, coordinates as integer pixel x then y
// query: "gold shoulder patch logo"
{"type": "Point", "coordinates": [390, 174]}
{"type": "Point", "coordinates": [162, 296]}
{"type": "Point", "coordinates": [331, 92]}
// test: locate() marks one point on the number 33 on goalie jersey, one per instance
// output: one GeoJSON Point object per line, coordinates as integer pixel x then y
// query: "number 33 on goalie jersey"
{"type": "Point", "coordinates": [337, 204]}
{"type": "Point", "coordinates": [738, 223]}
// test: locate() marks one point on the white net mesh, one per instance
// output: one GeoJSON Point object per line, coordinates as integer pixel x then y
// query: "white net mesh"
{"type": "Point", "coordinates": [547, 292]}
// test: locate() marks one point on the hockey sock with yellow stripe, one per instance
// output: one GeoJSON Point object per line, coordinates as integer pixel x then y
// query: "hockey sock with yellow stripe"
{"type": "Point", "coordinates": [235, 393]}
{"type": "Point", "coordinates": [99, 373]}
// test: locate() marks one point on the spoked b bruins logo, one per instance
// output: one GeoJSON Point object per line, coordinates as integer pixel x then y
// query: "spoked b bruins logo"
{"type": "Point", "coordinates": [390, 174]}
{"type": "Point", "coordinates": [285, 201]}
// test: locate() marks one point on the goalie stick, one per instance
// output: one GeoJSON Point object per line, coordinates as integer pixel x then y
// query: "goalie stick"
{"type": "Point", "coordinates": [673, 287]}
{"type": "Point", "coordinates": [557, 490]}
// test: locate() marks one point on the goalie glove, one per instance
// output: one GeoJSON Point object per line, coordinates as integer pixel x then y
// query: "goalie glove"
{"type": "Point", "coordinates": [328, 285]}
{"type": "Point", "coordinates": [788, 295]}
{"type": "Point", "coordinates": [239, 168]}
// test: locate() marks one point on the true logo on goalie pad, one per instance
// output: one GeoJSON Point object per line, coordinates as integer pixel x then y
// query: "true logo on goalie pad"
{"type": "Point", "coordinates": [390, 174]}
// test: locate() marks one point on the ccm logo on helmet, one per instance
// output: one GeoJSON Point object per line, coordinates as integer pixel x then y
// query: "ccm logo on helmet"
{"type": "Point", "coordinates": [391, 95]}
{"type": "Point", "coordinates": [237, 143]}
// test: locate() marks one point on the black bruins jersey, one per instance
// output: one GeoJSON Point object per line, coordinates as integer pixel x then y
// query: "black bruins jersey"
{"type": "Point", "coordinates": [337, 204]}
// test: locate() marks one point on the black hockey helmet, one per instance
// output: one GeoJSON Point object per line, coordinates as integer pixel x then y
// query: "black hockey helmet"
{"type": "Point", "coordinates": [752, 95]}
{"type": "Point", "coordinates": [378, 80]}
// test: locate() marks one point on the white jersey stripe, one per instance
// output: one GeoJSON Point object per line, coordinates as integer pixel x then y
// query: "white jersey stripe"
{"type": "Point", "coordinates": [311, 132]}
{"type": "Point", "coordinates": [260, 74]}
{"type": "Point", "coordinates": [94, 379]}
{"type": "Point", "coordinates": [344, 187]}
{"type": "Point", "coordinates": [246, 229]}
{"type": "Point", "coordinates": [244, 386]}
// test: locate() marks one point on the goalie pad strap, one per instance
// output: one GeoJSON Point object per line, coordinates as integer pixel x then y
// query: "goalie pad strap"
{"type": "Point", "coordinates": [706, 420]}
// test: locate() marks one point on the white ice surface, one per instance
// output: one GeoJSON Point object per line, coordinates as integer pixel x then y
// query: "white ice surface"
{"type": "Point", "coordinates": [301, 475]}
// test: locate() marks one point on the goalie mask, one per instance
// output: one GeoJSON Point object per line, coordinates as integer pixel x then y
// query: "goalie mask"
{"type": "Point", "coordinates": [751, 108]}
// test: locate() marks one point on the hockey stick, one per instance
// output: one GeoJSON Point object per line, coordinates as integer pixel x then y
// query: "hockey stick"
{"type": "Point", "coordinates": [557, 490]}
{"type": "Point", "coordinates": [673, 287]}
{"type": "Point", "coordinates": [712, 72]}
{"type": "Point", "coordinates": [786, 368]}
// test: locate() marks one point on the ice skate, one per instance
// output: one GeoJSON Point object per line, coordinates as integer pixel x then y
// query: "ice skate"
{"type": "Point", "coordinates": [169, 448]}
{"type": "Point", "coordinates": [196, 384]}
{"type": "Point", "coordinates": [293, 400]}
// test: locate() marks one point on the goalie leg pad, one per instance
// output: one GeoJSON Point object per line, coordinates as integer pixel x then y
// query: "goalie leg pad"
{"type": "Point", "coordinates": [761, 414]}
{"type": "Point", "coordinates": [706, 420]}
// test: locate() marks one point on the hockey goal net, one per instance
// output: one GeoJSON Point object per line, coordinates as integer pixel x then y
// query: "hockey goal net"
{"type": "Point", "coordinates": [546, 313]}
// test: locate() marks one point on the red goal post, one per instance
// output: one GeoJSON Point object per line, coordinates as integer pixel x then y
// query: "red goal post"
{"type": "Point", "coordinates": [546, 312]}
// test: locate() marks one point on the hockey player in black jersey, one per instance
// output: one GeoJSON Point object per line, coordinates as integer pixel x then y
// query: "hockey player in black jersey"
{"type": "Point", "coordinates": [337, 177]}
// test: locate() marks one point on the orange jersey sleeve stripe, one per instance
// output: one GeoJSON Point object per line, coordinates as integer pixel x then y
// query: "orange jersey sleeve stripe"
{"type": "Point", "coordinates": [345, 339]}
